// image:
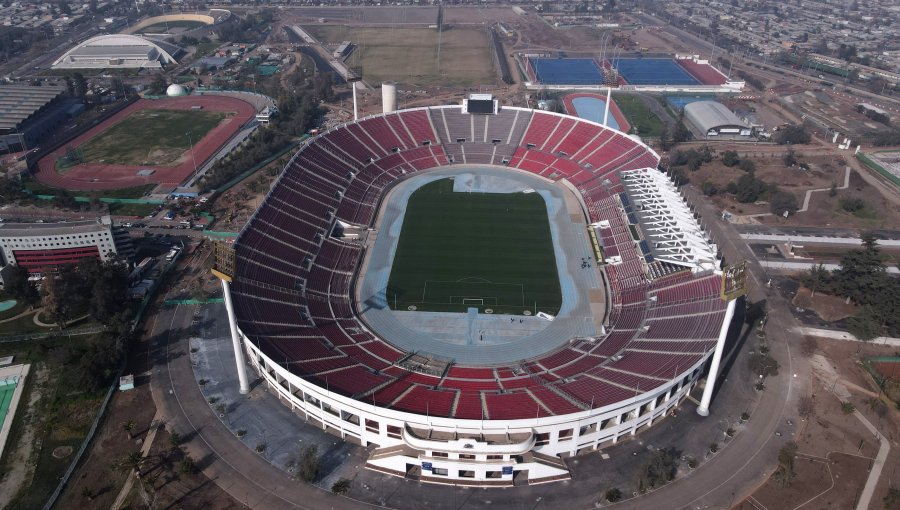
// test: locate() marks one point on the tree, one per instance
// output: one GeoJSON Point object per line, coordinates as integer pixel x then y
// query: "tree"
{"type": "Point", "coordinates": [310, 464]}
{"type": "Point", "coordinates": [659, 470]}
{"type": "Point", "coordinates": [665, 140]}
{"type": "Point", "coordinates": [817, 278]}
{"type": "Point", "coordinates": [747, 165]}
{"type": "Point", "coordinates": [783, 202]}
{"type": "Point", "coordinates": [20, 287]}
{"type": "Point", "coordinates": [55, 307]}
{"type": "Point", "coordinates": [748, 188]}
{"type": "Point", "coordinates": [864, 325]}
{"type": "Point", "coordinates": [730, 158]}
{"type": "Point", "coordinates": [64, 8]}
{"type": "Point", "coordinates": [681, 132]}
{"type": "Point", "coordinates": [158, 85]}
{"type": "Point", "coordinates": [789, 158]}
{"type": "Point", "coordinates": [612, 495]}
{"type": "Point", "coordinates": [785, 473]}
{"type": "Point", "coordinates": [133, 461]}
{"type": "Point", "coordinates": [79, 85]}
{"type": "Point", "coordinates": [762, 364]}
{"type": "Point", "coordinates": [129, 427]}
{"type": "Point", "coordinates": [792, 134]}
{"type": "Point", "coordinates": [107, 282]}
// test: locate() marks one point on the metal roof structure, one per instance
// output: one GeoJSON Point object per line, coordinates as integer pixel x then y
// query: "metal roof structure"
{"type": "Point", "coordinates": [669, 227]}
{"type": "Point", "coordinates": [711, 115]}
{"type": "Point", "coordinates": [8, 230]}
{"type": "Point", "coordinates": [116, 50]}
{"type": "Point", "coordinates": [19, 102]}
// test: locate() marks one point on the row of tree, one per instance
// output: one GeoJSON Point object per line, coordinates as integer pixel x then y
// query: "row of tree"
{"type": "Point", "coordinates": [862, 279]}
{"type": "Point", "coordinates": [91, 287]}
{"type": "Point", "coordinates": [298, 112]}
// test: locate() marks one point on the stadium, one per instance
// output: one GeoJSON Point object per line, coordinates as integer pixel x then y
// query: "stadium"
{"type": "Point", "coordinates": [681, 73]}
{"type": "Point", "coordinates": [358, 306]}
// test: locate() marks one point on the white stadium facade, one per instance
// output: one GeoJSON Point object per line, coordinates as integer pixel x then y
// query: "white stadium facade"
{"type": "Point", "coordinates": [291, 292]}
{"type": "Point", "coordinates": [118, 51]}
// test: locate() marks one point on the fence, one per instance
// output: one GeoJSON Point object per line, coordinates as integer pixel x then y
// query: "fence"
{"type": "Point", "coordinates": [38, 336]}
{"type": "Point", "coordinates": [102, 412]}
{"type": "Point", "coordinates": [878, 168]}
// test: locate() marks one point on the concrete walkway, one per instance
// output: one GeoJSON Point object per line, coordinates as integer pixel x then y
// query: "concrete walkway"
{"type": "Point", "coordinates": [843, 335]}
{"type": "Point", "coordinates": [808, 196]}
{"type": "Point", "coordinates": [884, 448]}
{"type": "Point", "coordinates": [23, 314]}
{"type": "Point", "coordinates": [145, 450]}
{"type": "Point", "coordinates": [806, 265]}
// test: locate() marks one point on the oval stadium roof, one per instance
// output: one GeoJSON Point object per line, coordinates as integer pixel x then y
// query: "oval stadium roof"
{"type": "Point", "coordinates": [117, 50]}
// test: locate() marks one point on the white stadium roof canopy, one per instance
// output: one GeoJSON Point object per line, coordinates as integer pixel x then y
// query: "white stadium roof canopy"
{"type": "Point", "coordinates": [669, 226]}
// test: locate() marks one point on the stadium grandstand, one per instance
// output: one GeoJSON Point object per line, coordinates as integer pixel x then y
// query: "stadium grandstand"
{"type": "Point", "coordinates": [42, 247]}
{"type": "Point", "coordinates": [291, 300]}
{"type": "Point", "coordinates": [118, 51]}
{"type": "Point", "coordinates": [28, 113]}
{"type": "Point", "coordinates": [711, 119]}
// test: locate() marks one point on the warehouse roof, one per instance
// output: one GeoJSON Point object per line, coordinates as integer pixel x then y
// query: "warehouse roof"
{"type": "Point", "coordinates": [707, 115]}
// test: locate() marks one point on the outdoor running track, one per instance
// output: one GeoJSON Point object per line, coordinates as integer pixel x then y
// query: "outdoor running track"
{"type": "Point", "coordinates": [99, 176]}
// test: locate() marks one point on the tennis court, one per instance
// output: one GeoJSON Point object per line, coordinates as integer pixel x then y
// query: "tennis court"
{"type": "Point", "coordinates": [653, 71]}
{"type": "Point", "coordinates": [566, 71]}
{"type": "Point", "coordinates": [7, 389]}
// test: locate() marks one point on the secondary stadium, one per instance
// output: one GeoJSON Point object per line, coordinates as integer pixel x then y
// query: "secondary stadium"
{"type": "Point", "coordinates": [474, 293]}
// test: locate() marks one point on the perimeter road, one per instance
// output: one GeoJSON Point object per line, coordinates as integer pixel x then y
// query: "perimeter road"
{"type": "Point", "coordinates": [236, 469]}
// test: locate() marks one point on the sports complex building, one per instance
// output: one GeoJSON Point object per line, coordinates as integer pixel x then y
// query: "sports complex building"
{"type": "Point", "coordinates": [119, 51]}
{"type": "Point", "coordinates": [681, 73]}
{"type": "Point", "coordinates": [469, 383]}
{"type": "Point", "coordinates": [41, 247]}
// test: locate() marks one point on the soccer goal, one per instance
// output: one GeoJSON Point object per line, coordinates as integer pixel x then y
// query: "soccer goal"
{"type": "Point", "coordinates": [472, 301]}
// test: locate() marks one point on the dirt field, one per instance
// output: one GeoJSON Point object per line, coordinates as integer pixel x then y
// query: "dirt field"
{"type": "Point", "coordinates": [834, 447]}
{"type": "Point", "coordinates": [824, 210]}
{"type": "Point", "coordinates": [829, 308]}
{"type": "Point", "coordinates": [410, 55]}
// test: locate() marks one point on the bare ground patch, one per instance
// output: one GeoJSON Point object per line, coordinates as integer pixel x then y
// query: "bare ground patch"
{"type": "Point", "coordinates": [829, 308]}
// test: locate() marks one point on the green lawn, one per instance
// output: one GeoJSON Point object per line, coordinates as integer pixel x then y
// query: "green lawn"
{"type": "Point", "coordinates": [639, 116]}
{"type": "Point", "coordinates": [39, 188]}
{"type": "Point", "coordinates": [150, 137]}
{"type": "Point", "coordinates": [485, 250]}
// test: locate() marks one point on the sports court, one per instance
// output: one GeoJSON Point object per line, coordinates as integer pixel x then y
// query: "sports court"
{"type": "Point", "coordinates": [653, 71]}
{"type": "Point", "coordinates": [12, 379]}
{"type": "Point", "coordinates": [566, 71]}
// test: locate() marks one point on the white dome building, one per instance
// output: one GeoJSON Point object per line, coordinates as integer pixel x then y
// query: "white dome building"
{"type": "Point", "coordinates": [176, 90]}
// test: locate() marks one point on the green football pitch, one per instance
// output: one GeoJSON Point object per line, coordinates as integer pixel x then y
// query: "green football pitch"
{"type": "Point", "coordinates": [474, 250]}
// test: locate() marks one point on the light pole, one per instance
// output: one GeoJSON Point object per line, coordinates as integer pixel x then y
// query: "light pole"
{"type": "Point", "coordinates": [193, 158]}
